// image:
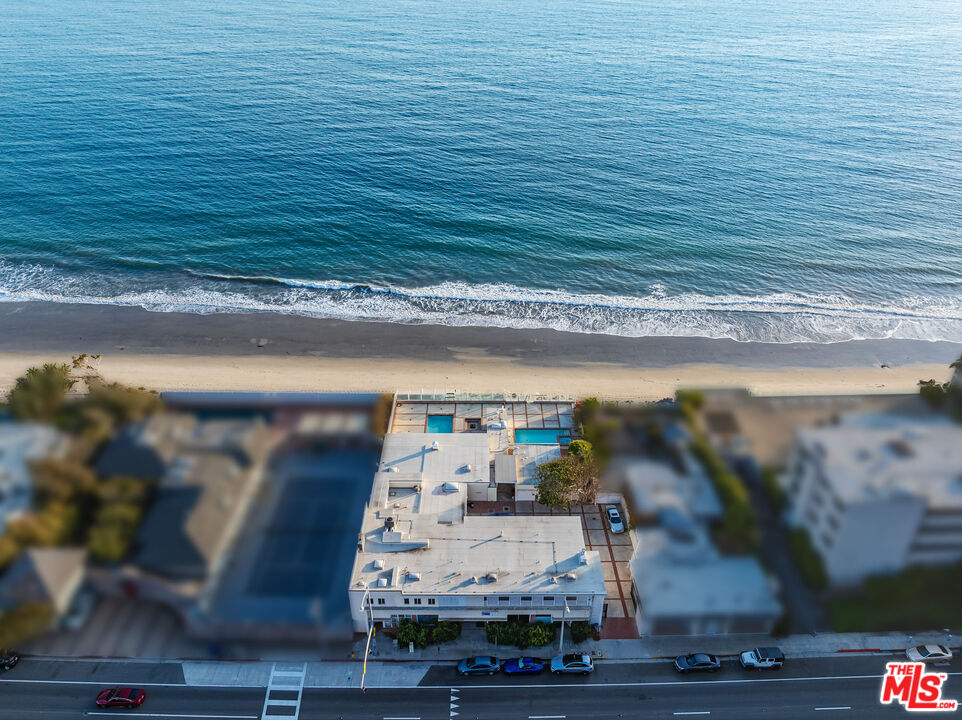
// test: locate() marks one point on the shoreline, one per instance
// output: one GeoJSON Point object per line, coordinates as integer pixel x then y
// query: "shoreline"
{"type": "Point", "coordinates": [274, 352]}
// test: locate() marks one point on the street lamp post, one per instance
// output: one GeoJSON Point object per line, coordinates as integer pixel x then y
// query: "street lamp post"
{"type": "Point", "coordinates": [564, 617]}
{"type": "Point", "coordinates": [369, 617]}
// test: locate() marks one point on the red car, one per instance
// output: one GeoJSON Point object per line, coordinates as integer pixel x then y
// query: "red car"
{"type": "Point", "coordinates": [121, 697]}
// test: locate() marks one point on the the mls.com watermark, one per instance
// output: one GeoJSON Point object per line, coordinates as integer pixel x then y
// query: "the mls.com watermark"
{"type": "Point", "coordinates": [916, 689]}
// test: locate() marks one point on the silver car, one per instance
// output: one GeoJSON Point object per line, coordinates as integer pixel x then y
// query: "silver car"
{"type": "Point", "coordinates": [615, 522]}
{"type": "Point", "coordinates": [929, 653]}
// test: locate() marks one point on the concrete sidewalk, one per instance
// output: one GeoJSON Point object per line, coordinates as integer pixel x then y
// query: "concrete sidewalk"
{"type": "Point", "coordinates": [809, 645]}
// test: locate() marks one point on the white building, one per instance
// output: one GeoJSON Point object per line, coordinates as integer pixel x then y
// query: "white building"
{"type": "Point", "coordinates": [684, 586]}
{"type": "Point", "coordinates": [421, 557]}
{"type": "Point", "coordinates": [878, 499]}
{"type": "Point", "coordinates": [20, 445]}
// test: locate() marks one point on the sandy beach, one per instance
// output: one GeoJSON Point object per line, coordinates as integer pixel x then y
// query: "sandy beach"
{"type": "Point", "coordinates": [177, 351]}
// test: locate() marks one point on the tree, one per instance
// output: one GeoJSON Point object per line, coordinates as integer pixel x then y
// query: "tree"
{"type": "Point", "coordinates": [568, 479]}
{"type": "Point", "coordinates": [39, 393]}
{"type": "Point", "coordinates": [556, 482]}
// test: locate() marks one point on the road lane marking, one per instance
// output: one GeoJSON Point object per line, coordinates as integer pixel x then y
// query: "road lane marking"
{"type": "Point", "coordinates": [172, 715]}
{"type": "Point", "coordinates": [840, 707]}
{"type": "Point", "coordinates": [287, 678]}
{"type": "Point", "coordinates": [688, 683]}
{"type": "Point", "coordinates": [546, 717]}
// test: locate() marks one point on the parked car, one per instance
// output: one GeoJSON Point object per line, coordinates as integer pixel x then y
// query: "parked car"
{"type": "Point", "coordinates": [762, 658]}
{"type": "Point", "coordinates": [571, 663]}
{"type": "Point", "coordinates": [929, 653]}
{"type": "Point", "coordinates": [697, 662]}
{"type": "Point", "coordinates": [523, 666]}
{"type": "Point", "coordinates": [615, 522]}
{"type": "Point", "coordinates": [480, 665]}
{"type": "Point", "coordinates": [125, 697]}
{"type": "Point", "coordinates": [8, 659]}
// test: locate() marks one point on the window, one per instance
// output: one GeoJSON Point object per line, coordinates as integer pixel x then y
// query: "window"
{"type": "Point", "coordinates": [380, 601]}
{"type": "Point", "coordinates": [571, 598]}
{"type": "Point", "coordinates": [431, 601]}
{"type": "Point", "coordinates": [407, 601]}
{"type": "Point", "coordinates": [548, 598]}
{"type": "Point", "coordinates": [417, 601]}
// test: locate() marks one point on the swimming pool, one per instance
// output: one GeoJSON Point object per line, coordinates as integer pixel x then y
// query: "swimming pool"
{"type": "Point", "coordinates": [542, 436]}
{"type": "Point", "coordinates": [440, 423]}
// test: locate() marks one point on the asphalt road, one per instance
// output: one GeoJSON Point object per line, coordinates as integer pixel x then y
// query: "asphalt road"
{"type": "Point", "coordinates": [845, 687]}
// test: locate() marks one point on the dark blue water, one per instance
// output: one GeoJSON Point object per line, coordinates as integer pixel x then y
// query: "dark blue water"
{"type": "Point", "coordinates": [727, 168]}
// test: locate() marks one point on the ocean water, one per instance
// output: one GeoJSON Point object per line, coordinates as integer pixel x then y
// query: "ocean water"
{"type": "Point", "coordinates": [768, 170]}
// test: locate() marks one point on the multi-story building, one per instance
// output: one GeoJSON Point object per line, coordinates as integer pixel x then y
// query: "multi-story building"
{"type": "Point", "coordinates": [420, 554]}
{"type": "Point", "coordinates": [878, 499]}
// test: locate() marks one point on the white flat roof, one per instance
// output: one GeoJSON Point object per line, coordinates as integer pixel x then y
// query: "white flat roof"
{"type": "Point", "coordinates": [416, 538]}
{"type": "Point", "coordinates": [691, 579]}
{"type": "Point", "coordinates": [865, 464]}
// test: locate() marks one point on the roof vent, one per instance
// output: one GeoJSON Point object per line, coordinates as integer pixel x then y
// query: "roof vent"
{"type": "Point", "coordinates": [474, 578]}
{"type": "Point", "coordinates": [491, 577]}
{"type": "Point", "coordinates": [382, 582]}
{"type": "Point", "coordinates": [412, 576]}
{"type": "Point", "coordinates": [583, 556]}
{"type": "Point", "coordinates": [389, 523]}
{"type": "Point", "coordinates": [378, 564]}
{"type": "Point", "coordinates": [570, 576]}
{"type": "Point", "coordinates": [468, 467]}
{"type": "Point", "coordinates": [435, 445]}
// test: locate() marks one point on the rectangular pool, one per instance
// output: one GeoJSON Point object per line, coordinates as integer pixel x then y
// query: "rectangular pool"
{"type": "Point", "coordinates": [440, 423]}
{"type": "Point", "coordinates": [542, 436]}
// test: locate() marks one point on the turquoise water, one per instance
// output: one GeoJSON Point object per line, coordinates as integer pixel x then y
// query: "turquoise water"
{"type": "Point", "coordinates": [538, 436]}
{"type": "Point", "coordinates": [757, 170]}
{"type": "Point", "coordinates": [440, 423]}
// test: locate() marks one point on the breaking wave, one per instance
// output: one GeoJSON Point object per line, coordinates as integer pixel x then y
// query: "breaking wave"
{"type": "Point", "coordinates": [776, 318]}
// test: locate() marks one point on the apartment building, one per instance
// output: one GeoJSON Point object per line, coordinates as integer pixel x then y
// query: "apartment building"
{"type": "Point", "coordinates": [420, 556]}
{"type": "Point", "coordinates": [878, 499]}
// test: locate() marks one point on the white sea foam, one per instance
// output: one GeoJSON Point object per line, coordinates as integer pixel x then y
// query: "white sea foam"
{"type": "Point", "coordinates": [778, 317]}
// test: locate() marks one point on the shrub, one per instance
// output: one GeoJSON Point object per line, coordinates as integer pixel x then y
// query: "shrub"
{"type": "Point", "coordinates": [520, 635]}
{"type": "Point", "coordinates": [113, 531]}
{"type": "Point", "coordinates": [538, 634]}
{"type": "Point", "coordinates": [445, 631]}
{"type": "Point", "coordinates": [9, 551]}
{"type": "Point", "coordinates": [807, 559]}
{"type": "Point", "coordinates": [24, 623]}
{"type": "Point", "coordinates": [580, 448]}
{"type": "Point", "coordinates": [57, 480]}
{"type": "Point", "coordinates": [933, 393]}
{"type": "Point", "coordinates": [695, 399]}
{"type": "Point", "coordinates": [409, 632]}
{"type": "Point", "coordinates": [737, 532]}
{"type": "Point", "coordinates": [586, 410]}
{"type": "Point", "coordinates": [580, 631]}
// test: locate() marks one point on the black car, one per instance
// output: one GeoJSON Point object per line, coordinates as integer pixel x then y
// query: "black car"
{"type": "Point", "coordinates": [8, 659]}
{"type": "Point", "coordinates": [697, 662]}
